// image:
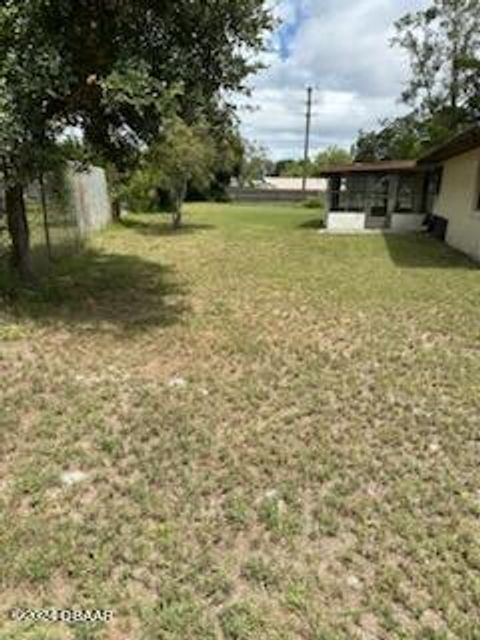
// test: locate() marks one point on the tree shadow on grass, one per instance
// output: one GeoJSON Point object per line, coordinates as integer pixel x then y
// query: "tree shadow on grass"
{"type": "Point", "coordinates": [100, 291]}
{"type": "Point", "coordinates": [315, 223]}
{"type": "Point", "coordinates": [162, 227]}
{"type": "Point", "coordinates": [419, 250]}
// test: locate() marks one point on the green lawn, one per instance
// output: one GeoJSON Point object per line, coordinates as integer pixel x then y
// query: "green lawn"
{"type": "Point", "coordinates": [279, 433]}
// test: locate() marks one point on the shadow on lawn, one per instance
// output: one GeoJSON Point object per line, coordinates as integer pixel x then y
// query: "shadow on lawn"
{"type": "Point", "coordinates": [418, 251]}
{"type": "Point", "coordinates": [315, 223]}
{"type": "Point", "coordinates": [162, 227]}
{"type": "Point", "coordinates": [97, 290]}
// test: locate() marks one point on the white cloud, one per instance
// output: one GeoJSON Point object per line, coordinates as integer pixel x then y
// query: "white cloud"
{"type": "Point", "coordinates": [342, 48]}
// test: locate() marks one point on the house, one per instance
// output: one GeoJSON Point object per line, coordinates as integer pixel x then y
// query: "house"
{"type": "Point", "coordinates": [394, 195]}
{"type": "Point", "coordinates": [440, 193]}
{"type": "Point", "coordinates": [457, 206]}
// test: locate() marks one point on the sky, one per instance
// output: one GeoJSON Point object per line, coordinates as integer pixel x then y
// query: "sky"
{"type": "Point", "coordinates": [341, 48]}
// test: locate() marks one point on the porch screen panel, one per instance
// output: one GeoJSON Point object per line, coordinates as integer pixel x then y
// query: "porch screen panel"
{"type": "Point", "coordinates": [348, 193]}
{"type": "Point", "coordinates": [406, 194]}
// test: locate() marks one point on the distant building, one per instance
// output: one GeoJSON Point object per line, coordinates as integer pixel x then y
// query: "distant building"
{"type": "Point", "coordinates": [278, 189]}
{"type": "Point", "coordinates": [294, 184]}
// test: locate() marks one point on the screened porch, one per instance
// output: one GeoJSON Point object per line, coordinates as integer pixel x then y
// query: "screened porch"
{"type": "Point", "coordinates": [379, 195]}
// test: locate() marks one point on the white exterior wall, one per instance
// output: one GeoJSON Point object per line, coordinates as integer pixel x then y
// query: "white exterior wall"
{"type": "Point", "coordinates": [407, 221]}
{"type": "Point", "coordinates": [294, 184]}
{"type": "Point", "coordinates": [457, 202]}
{"type": "Point", "coordinates": [345, 220]}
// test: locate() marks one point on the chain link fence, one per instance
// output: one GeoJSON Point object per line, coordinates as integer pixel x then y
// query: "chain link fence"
{"type": "Point", "coordinates": [61, 210]}
{"type": "Point", "coordinates": [53, 224]}
{"type": "Point", "coordinates": [54, 230]}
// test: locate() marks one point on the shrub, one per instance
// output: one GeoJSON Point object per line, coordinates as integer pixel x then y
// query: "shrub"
{"type": "Point", "coordinates": [314, 203]}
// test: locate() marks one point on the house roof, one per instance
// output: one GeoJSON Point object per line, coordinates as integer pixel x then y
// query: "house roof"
{"type": "Point", "coordinates": [386, 166]}
{"type": "Point", "coordinates": [458, 144]}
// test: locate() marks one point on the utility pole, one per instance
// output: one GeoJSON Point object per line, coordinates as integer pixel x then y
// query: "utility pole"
{"type": "Point", "coordinates": [307, 138]}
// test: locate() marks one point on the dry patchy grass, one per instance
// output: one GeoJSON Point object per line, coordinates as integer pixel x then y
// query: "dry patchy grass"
{"type": "Point", "coordinates": [279, 433]}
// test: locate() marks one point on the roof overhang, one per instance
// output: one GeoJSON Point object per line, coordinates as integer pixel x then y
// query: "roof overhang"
{"type": "Point", "coordinates": [387, 166]}
{"type": "Point", "coordinates": [464, 142]}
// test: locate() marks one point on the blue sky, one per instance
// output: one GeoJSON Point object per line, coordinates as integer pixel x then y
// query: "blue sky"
{"type": "Point", "coordinates": [289, 28]}
{"type": "Point", "coordinates": [341, 47]}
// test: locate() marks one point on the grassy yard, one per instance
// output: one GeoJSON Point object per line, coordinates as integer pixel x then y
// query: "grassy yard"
{"type": "Point", "coordinates": [276, 435]}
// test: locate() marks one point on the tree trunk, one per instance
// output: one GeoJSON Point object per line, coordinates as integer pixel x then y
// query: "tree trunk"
{"type": "Point", "coordinates": [46, 228]}
{"type": "Point", "coordinates": [19, 233]}
{"type": "Point", "coordinates": [176, 200]}
{"type": "Point", "coordinates": [116, 209]}
{"type": "Point", "coordinates": [179, 199]}
{"type": "Point", "coordinates": [177, 218]}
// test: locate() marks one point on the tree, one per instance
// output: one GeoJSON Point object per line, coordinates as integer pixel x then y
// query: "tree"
{"type": "Point", "coordinates": [108, 67]}
{"type": "Point", "coordinates": [331, 155]}
{"type": "Point", "coordinates": [400, 138]}
{"type": "Point", "coordinates": [229, 155]}
{"type": "Point", "coordinates": [255, 164]}
{"type": "Point", "coordinates": [229, 158]}
{"type": "Point", "coordinates": [281, 166]}
{"type": "Point", "coordinates": [185, 155]}
{"type": "Point", "coordinates": [472, 69]}
{"type": "Point", "coordinates": [294, 168]}
{"type": "Point", "coordinates": [443, 44]}
{"type": "Point", "coordinates": [28, 68]}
